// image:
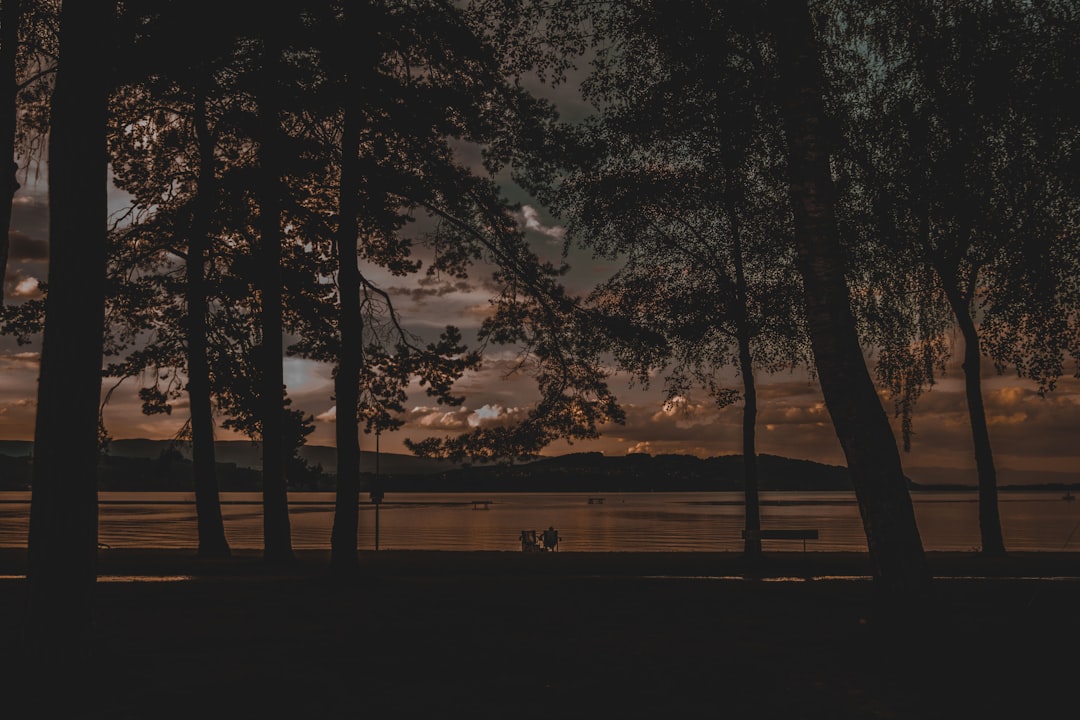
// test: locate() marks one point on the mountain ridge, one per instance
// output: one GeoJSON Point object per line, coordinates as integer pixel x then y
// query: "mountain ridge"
{"type": "Point", "coordinates": [239, 461]}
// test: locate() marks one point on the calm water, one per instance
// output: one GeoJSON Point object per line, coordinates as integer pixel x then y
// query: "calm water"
{"type": "Point", "coordinates": [1033, 521]}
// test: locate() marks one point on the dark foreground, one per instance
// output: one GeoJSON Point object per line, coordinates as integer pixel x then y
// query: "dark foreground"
{"type": "Point", "coordinates": [506, 635]}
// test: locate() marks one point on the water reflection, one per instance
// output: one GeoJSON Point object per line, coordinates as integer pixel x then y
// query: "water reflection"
{"type": "Point", "coordinates": [708, 522]}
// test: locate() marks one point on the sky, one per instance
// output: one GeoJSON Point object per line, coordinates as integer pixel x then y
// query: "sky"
{"type": "Point", "coordinates": [1030, 434]}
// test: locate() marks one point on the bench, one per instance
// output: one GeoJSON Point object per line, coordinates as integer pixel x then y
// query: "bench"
{"type": "Point", "coordinates": [480, 504]}
{"type": "Point", "coordinates": [803, 534]}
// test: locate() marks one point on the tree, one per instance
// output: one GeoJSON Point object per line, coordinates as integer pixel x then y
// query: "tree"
{"type": "Point", "coordinates": [397, 135]}
{"type": "Point", "coordinates": [970, 185]}
{"type": "Point", "coordinates": [170, 136]}
{"type": "Point", "coordinates": [699, 224]}
{"type": "Point", "coordinates": [794, 83]}
{"type": "Point", "coordinates": [27, 63]}
{"type": "Point", "coordinates": [10, 20]}
{"type": "Point", "coordinates": [212, 540]}
{"type": "Point", "coordinates": [350, 320]}
{"type": "Point", "coordinates": [63, 523]}
{"type": "Point", "coordinates": [860, 421]}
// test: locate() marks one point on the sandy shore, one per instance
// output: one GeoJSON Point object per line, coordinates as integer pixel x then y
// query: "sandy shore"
{"type": "Point", "coordinates": [579, 635]}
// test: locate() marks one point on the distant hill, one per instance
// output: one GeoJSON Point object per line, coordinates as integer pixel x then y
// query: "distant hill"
{"type": "Point", "coordinates": [595, 472]}
{"type": "Point", "coordinates": [137, 464]}
{"type": "Point", "coordinates": [246, 454]}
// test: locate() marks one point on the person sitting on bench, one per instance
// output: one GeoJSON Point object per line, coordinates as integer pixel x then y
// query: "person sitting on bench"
{"type": "Point", "coordinates": [551, 539]}
{"type": "Point", "coordinates": [528, 541]}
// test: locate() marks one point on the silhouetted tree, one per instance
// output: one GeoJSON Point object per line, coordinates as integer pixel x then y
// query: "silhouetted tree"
{"type": "Point", "coordinates": [10, 21]}
{"type": "Point", "coordinates": [27, 63]}
{"type": "Point", "coordinates": [795, 85]}
{"type": "Point", "coordinates": [356, 65]}
{"type": "Point", "coordinates": [971, 185]}
{"type": "Point", "coordinates": [861, 423]}
{"type": "Point", "coordinates": [397, 161]}
{"type": "Point", "coordinates": [699, 225]}
{"type": "Point", "coordinates": [169, 137]}
{"type": "Point", "coordinates": [268, 285]}
{"type": "Point", "coordinates": [63, 518]}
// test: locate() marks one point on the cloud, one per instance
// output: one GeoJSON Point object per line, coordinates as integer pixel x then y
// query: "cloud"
{"type": "Point", "coordinates": [529, 218]}
{"type": "Point", "coordinates": [327, 416]}
{"type": "Point", "coordinates": [686, 414]}
{"type": "Point", "coordinates": [26, 248]}
{"type": "Point", "coordinates": [26, 286]}
{"type": "Point", "coordinates": [429, 287]}
{"type": "Point", "coordinates": [303, 376]}
{"type": "Point", "coordinates": [20, 361]}
{"type": "Point", "coordinates": [30, 214]}
{"type": "Point", "coordinates": [441, 419]}
{"type": "Point", "coordinates": [496, 416]}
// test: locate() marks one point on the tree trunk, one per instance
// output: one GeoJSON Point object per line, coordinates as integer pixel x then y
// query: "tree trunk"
{"type": "Point", "coordinates": [63, 512]}
{"type": "Point", "coordinates": [212, 541]}
{"type": "Point", "coordinates": [10, 18]}
{"type": "Point", "coordinates": [277, 541]}
{"type": "Point", "coordinates": [752, 504]}
{"type": "Point", "coordinates": [862, 426]}
{"type": "Point", "coordinates": [350, 326]}
{"type": "Point", "coordinates": [752, 541]}
{"type": "Point", "coordinates": [993, 543]}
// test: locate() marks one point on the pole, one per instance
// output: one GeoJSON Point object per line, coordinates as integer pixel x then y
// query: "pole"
{"type": "Point", "coordinates": [377, 495]}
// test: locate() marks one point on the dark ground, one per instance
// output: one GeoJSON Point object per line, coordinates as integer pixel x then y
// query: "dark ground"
{"type": "Point", "coordinates": [559, 635]}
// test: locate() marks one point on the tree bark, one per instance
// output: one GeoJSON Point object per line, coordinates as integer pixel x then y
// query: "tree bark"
{"type": "Point", "coordinates": [277, 541]}
{"type": "Point", "coordinates": [993, 542]}
{"type": "Point", "coordinates": [10, 19]}
{"type": "Point", "coordinates": [63, 535]}
{"type": "Point", "coordinates": [211, 526]}
{"type": "Point", "coordinates": [344, 555]}
{"type": "Point", "coordinates": [896, 552]}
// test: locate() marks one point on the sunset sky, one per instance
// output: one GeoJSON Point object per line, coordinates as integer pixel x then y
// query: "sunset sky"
{"type": "Point", "coordinates": [1029, 433]}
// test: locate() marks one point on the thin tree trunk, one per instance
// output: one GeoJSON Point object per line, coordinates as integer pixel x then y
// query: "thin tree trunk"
{"type": "Point", "coordinates": [63, 512]}
{"type": "Point", "coordinates": [993, 542]}
{"type": "Point", "coordinates": [752, 503]}
{"type": "Point", "coordinates": [752, 542]}
{"type": "Point", "coordinates": [350, 326]}
{"type": "Point", "coordinates": [277, 540]}
{"type": "Point", "coordinates": [10, 19]}
{"type": "Point", "coordinates": [211, 526]}
{"type": "Point", "coordinates": [896, 551]}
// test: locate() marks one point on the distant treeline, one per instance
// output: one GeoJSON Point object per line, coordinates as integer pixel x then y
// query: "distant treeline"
{"type": "Point", "coordinates": [577, 472]}
{"type": "Point", "coordinates": [168, 473]}
{"type": "Point", "coordinates": [594, 472]}
{"type": "Point", "coordinates": [580, 472]}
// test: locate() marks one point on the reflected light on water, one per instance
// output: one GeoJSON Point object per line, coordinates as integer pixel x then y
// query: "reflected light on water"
{"type": "Point", "coordinates": [634, 522]}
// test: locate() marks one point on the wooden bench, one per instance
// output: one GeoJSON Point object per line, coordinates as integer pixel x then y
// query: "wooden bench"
{"type": "Point", "coordinates": [803, 534]}
{"type": "Point", "coordinates": [480, 504]}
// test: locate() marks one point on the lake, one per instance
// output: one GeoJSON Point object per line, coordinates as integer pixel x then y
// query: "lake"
{"type": "Point", "coordinates": [690, 522]}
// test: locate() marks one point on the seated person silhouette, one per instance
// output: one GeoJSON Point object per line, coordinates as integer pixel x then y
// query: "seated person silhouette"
{"type": "Point", "coordinates": [528, 540]}
{"type": "Point", "coordinates": [551, 539]}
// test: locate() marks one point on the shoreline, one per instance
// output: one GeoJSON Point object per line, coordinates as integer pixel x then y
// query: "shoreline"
{"type": "Point", "coordinates": [154, 562]}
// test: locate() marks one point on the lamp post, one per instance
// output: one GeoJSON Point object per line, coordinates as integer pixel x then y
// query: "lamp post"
{"type": "Point", "coordinates": [376, 490]}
